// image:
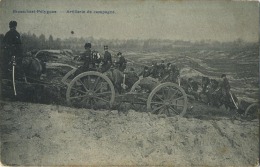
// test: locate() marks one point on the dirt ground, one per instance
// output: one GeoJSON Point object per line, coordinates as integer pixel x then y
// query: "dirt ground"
{"type": "Point", "coordinates": [37, 134]}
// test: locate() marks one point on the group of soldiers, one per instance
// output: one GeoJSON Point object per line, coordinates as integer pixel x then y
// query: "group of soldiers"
{"type": "Point", "coordinates": [161, 71]}
{"type": "Point", "coordinates": [216, 92]}
{"type": "Point", "coordinates": [93, 60]}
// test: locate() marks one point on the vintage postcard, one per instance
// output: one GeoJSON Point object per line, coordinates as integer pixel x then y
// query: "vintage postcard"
{"type": "Point", "coordinates": [129, 82]}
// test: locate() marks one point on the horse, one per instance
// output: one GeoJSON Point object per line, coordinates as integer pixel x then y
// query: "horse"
{"type": "Point", "coordinates": [33, 68]}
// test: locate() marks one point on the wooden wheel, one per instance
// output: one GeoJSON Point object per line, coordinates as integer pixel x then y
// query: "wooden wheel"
{"type": "Point", "coordinates": [137, 83]}
{"type": "Point", "coordinates": [91, 90]}
{"type": "Point", "coordinates": [252, 111]}
{"type": "Point", "coordinates": [167, 98]}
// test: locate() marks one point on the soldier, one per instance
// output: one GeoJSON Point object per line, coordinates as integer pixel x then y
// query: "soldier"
{"type": "Point", "coordinates": [193, 88]}
{"type": "Point", "coordinates": [12, 50]}
{"type": "Point", "coordinates": [145, 72]}
{"type": "Point", "coordinates": [121, 64]}
{"type": "Point", "coordinates": [225, 87]}
{"type": "Point", "coordinates": [173, 72]}
{"type": "Point", "coordinates": [161, 69]}
{"type": "Point", "coordinates": [86, 57]}
{"type": "Point", "coordinates": [107, 61]}
{"type": "Point", "coordinates": [154, 70]}
{"type": "Point", "coordinates": [131, 77]}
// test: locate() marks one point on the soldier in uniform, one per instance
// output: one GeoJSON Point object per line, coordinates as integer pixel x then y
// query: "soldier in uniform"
{"type": "Point", "coordinates": [107, 61]}
{"type": "Point", "coordinates": [173, 72]}
{"type": "Point", "coordinates": [86, 57]}
{"type": "Point", "coordinates": [154, 70]}
{"type": "Point", "coordinates": [145, 72]}
{"type": "Point", "coordinates": [121, 64]}
{"type": "Point", "coordinates": [193, 88]}
{"type": "Point", "coordinates": [161, 69]}
{"type": "Point", "coordinates": [225, 87]}
{"type": "Point", "coordinates": [12, 51]}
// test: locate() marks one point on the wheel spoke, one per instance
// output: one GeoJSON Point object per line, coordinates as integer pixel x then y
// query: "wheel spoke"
{"type": "Point", "coordinates": [176, 105]}
{"type": "Point", "coordinates": [75, 97]}
{"type": "Point", "coordinates": [161, 110]}
{"type": "Point", "coordinates": [159, 97]}
{"type": "Point", "coordinates": [178, 98]}
{"type": "Point", "coordinates": [102, 93]}
{"type": "Point", "coordinates": [96, 83]}
{"type": "Point", "coordinates": [157, 103]}
{"type": "Point", "coordinates": [83, 85]}
{"type": "Point", "coordinates": [157, 108]}
{"type": "Point", "coordinates": [101, 99]}
{"type": "Point", "coordinates": [176, 112]}
{"type": "Point", "coordinates": [100, 86]}
{"type": "Point", "coordinates": [163, 92]}
{"type": "Point", "coordinates": [79, 90]}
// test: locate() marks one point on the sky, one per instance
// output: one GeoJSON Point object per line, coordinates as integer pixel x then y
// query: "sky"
{"type": "Point", "coordinates": [135, 19]}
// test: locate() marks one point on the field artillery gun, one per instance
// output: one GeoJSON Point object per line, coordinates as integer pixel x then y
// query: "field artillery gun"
{"type": "Point", "coordinates": [93, 89]}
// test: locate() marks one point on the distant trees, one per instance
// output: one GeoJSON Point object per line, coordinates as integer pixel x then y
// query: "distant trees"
{"type": "Point", "coordinates": [32, 42]}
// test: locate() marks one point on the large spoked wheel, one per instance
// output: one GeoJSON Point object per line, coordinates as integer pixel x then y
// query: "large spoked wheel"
{"type": "Point", "coordinates": [169, 99]}
{"type": "Point", "coordinates": [252, 111]}
{"type": "Point", "coordinates": [136, 87]}
{"type": "Point", "coordinates": [91, 90]}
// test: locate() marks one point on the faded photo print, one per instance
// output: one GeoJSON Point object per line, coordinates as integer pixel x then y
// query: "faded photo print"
{"type": "Point", "coordinates": [129, 82]}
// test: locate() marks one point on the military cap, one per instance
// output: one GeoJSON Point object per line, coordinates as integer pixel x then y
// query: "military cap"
{"type": "Point", "coordinates": [223, 75]}
{"type": "Point", "coordinates": [87, 45]}
{"type": "Point", "coordinates": [119, 53]}
{"type": "Point", "coordinates": [12, 24]}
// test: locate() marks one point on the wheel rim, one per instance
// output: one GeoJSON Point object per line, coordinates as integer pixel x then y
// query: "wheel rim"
{"type": "Point", "coordinates": [252, 111]}
{"type": "Point", "coordinates": [169, 99]}
{"type": "Point", "coordinates": [90, 90]}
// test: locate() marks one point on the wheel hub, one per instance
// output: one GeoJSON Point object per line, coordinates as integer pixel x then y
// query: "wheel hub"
{"type": "Point", "coordinates": [166, 103]}
{"type": "Point", "coordinates": [91, 93]}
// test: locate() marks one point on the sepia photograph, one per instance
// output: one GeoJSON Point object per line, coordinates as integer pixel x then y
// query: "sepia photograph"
{"type": "Point", "coordinates": [129, 82]}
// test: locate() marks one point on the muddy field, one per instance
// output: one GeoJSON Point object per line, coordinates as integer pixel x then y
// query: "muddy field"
{"type": "Point", "coordinates": [37, 134]}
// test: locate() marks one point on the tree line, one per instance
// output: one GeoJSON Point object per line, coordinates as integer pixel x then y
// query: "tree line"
{"type": "Point", "coordinates": [34, 42]}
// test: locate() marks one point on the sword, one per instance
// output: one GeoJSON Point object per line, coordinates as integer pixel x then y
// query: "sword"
{"type": "Point", "coordinates": [123, 84]}
{"type": "Point", "coordinates": [233, 100]}
{"type": "Point", "coordinates": [179, 81]}
{"type": "Point", "coordinates": [14, 75]}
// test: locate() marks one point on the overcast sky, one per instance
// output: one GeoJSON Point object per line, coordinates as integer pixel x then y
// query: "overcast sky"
{"type": "Point", "coordinates": [136, 19]}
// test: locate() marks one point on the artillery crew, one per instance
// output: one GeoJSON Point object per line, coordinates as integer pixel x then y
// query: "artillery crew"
{"type": "Point", "coordinates": [12, 49]}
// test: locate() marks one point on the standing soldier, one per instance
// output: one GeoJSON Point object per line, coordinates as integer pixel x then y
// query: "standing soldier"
{"type": "Point", "coordinates": [121, 62]}
{"type": "Point", "coordinates": [12, 51]}
{"type": "Point", "coordinates": [107, 61]}
{"type": "Point", "coordinates": [225, 87]}
{"type": "Point", "coordinates": [228, 98]}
